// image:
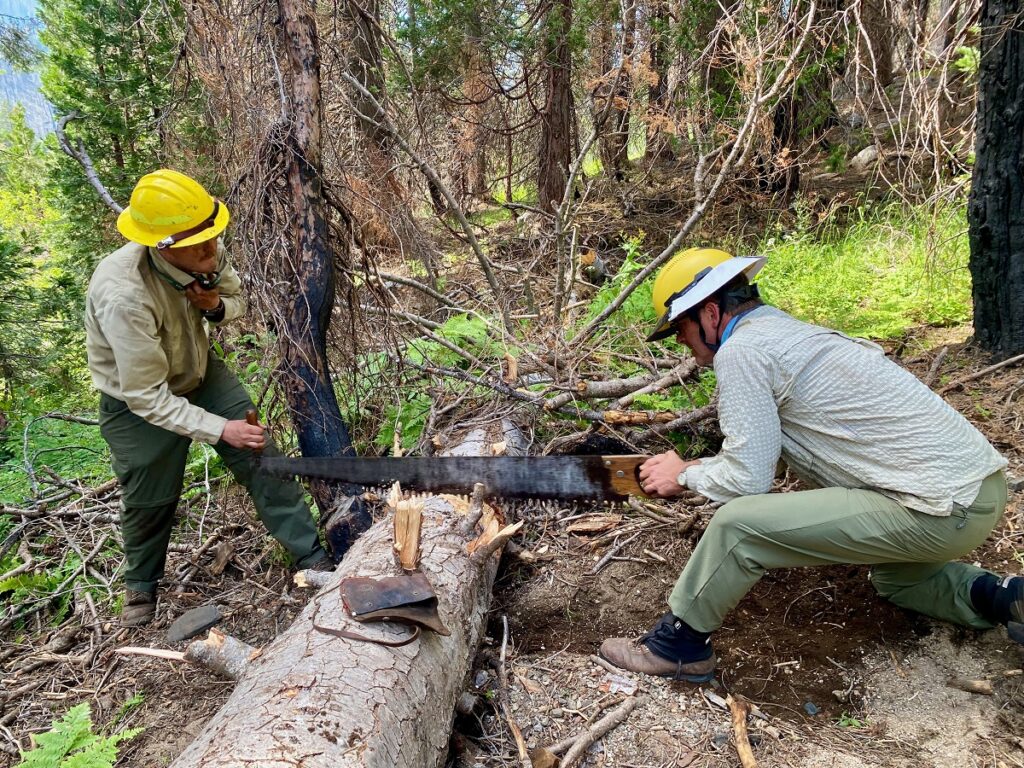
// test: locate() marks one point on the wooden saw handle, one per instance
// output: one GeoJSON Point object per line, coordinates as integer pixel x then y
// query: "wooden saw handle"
{"type": "Point", "coordinates": [253, 419]}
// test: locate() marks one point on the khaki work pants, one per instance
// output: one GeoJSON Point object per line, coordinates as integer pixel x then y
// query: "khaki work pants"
{"type": "Point", "coordinates": [150, 464]}
{"type": "Point", "coordinates": [909, 551]}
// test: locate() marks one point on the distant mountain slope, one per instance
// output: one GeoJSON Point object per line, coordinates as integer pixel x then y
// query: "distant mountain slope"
{"type": "Point", "coordinates": [23, 87]}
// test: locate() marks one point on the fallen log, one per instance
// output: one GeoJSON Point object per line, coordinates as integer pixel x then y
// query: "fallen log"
{"type": "Point", "coordinates": [315, 699]}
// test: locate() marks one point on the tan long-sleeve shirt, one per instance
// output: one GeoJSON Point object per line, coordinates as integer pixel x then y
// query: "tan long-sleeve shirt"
{"type": "Point", "coordinates": [841, 415]}
{"type": "Point", "coordinates": [147, 344]}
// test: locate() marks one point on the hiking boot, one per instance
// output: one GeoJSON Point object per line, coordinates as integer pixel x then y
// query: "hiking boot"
{"type": "Point", "coordinates": [1015, 626]}
{"type": "Point", "coordinates": [139, 608]}
{"type": "Point", "coordinates": [637, 657]}
{"type": "Point", "coordinates": [1001, 601]}
{"type": "Point", "coordinates": [671, 649]}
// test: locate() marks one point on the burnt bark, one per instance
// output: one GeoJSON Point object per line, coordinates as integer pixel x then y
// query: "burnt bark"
{"type": "Point", "coordinates": [996, 205]}
{"type": "Point", "coordinates": [314, 699]}
{"type": "Point", "coordinates": [310, 268]}
{"type": "Point", "coordinates": [556, 120]}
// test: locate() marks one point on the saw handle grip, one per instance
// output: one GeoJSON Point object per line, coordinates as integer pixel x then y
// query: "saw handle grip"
{"type": "Point", "coordinates": [253, 420]}
{"type": "Point", "coordinates": [624, 474]}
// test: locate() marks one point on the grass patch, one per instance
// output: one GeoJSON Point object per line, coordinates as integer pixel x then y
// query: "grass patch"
{"type": "Point", "coordinates": [892, 268]}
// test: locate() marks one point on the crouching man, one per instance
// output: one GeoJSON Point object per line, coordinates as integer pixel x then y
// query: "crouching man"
{"type": "Point", "coordinates": [902, 481]}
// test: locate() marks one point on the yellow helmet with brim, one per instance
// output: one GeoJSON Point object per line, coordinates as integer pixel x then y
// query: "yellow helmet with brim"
{"type": "Point", "coordinates": [690, 277]}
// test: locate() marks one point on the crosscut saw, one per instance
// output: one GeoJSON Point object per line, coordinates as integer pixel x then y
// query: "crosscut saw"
{"type": "Point", "coordinates": [602, 478]}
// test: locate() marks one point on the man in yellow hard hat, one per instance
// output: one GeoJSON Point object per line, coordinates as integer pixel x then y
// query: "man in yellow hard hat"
{"type": "Point", "coordinates": [901, 480]}
{"type": "Point", "coordinates": [148, 311]}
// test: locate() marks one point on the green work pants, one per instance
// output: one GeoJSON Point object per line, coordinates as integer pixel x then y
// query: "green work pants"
{"type": "Point", "coordinates": [909, 550]}
{"type": "Point", "coordinates": [150, 464]}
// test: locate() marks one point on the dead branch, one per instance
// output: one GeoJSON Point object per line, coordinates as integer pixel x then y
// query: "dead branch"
{"type": "Point", "coordinates": [979, 374]}
{"type": "Point", "coordinates": [740, 709]}
{"type": "Point", "coordinates": [80, 156]}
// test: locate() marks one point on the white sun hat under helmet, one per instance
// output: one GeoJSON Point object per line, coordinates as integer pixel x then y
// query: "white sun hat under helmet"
{"type": "Point", "coordinates": [692, 276]}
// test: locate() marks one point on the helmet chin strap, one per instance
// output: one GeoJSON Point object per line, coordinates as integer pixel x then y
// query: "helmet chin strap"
{"type": "Point", "coordinates": [713, 346]}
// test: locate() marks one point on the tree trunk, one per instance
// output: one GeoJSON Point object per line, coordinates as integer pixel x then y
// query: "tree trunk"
{"type": "Point", "coordinates": [996, 207]}
{"type": "Point", "coordinates": [471, 147]}
{"type": "Point", "coordinates": [876, 16]}
{"type": "Point", "coordinates": [658, 144]}
{"type": "Point", "coordinates": [317, 700]}
{"type": "Point", "coordinates": [615, 139]}
{"type": "Point", "coordinates": [310, 392]}
{"type": "Point", "coordinates": [556, 121]}
{"type": "Point", "coordinates": [366, 64]}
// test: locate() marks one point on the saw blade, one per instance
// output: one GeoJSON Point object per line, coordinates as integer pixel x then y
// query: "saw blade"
{"type": "Point", "coordinates": [608, 478]}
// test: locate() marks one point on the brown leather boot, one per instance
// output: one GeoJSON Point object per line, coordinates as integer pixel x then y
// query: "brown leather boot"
{"type": "Point", "coordinates": [633, 655]}
{"type": "Point", "coordinates": [139, 608]}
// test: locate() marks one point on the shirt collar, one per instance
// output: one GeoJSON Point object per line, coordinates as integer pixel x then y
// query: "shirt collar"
{"type": "Point", "coordinates": [177, 276]}
{"type": "Point", "coordinates": [735, 320]}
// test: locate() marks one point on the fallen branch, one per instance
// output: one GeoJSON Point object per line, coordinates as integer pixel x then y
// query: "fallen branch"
{"type": "Point", "coordinates": [933, 371]}
{"type": "Point", "coordinates": [597, 730]}
{"type": "Point", "coordinates": [740, 709]}
{"type": "Point", "coordinates": [983, 372]}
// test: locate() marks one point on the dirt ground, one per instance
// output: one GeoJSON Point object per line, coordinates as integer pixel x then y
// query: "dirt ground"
{"type": "Point", "coordinates": [838, 677]}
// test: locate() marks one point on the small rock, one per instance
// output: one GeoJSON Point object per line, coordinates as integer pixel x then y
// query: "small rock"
{"type": "Point", "coordinates": [481, 678]}
{"type": "Point", "coordinates": [1015, 483]}
{"type": "Point", "coordinates": [864, 159]}
{"type": "Point", "coordinates": [720, 739]}
{"type": "Point", "coordinates": [556, 712]}
{"type": "Point", "coordinates": [191, 623]}
{"type": "Point", "coordinates": [810, 708]}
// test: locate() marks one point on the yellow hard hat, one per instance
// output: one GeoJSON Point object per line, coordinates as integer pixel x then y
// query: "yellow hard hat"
{"type": "Point", "coordinates": [689, 278]}
{"type": "Point", "coordinates": [171, 210]}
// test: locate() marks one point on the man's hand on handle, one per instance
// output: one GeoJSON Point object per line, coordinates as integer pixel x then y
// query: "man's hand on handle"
{"type": "Point", "coordinates": [241, 434]}
{"type": "Point", "coordinates": [659, 474]}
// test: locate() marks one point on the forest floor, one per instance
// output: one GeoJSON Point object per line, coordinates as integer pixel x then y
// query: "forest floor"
{"type": "Point", "coordinates": [804, 641]}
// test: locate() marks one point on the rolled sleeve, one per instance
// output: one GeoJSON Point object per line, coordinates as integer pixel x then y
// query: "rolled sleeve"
{"type": "Point", "coordinates": [142, 370]}
{"type": "Point", "coordinates": [749, 419]}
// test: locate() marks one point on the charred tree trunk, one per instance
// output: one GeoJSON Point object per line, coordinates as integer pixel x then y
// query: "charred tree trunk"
{"type": "Point", "coordinates": [310, 392]}
{"type": "Point", "coordinates": [556, 121]}
{"type": "Point", "coordinates": [314, 699]}
{"type": "Point", "coordinates": [996, 207]}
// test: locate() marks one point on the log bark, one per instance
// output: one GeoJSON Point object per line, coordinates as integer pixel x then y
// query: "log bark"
{"type": "Point", "coordinates": [317, 700]}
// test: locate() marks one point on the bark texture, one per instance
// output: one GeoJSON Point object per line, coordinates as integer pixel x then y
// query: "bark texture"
{"type": "Point", "coordinates": [556, 120]}
{"type": "Point", "coordinates": [996, 208]}
{"type": "Point", "coordinates": [311, 399]}
{"type": "Point", "coordinates": [317, 700]}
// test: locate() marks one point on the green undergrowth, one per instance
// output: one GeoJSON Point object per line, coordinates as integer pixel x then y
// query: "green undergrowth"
{"type": "Point", "coordinates": [73, 743]}
{"type": "Point", "coordinates": [892, 268]}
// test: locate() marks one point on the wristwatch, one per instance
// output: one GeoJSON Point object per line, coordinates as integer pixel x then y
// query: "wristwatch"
{"type": "Point", "coordinates": [216, 314]}
{"type": "Point", "coordinates": [681, 479]}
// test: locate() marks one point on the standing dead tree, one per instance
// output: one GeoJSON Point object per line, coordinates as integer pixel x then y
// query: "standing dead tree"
{"type": "Point", "coordinates": [309, 267]}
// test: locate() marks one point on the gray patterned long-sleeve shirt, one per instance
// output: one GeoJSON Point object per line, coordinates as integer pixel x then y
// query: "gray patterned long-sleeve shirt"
{"type": "Point", "coordinates": [841, 415]}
